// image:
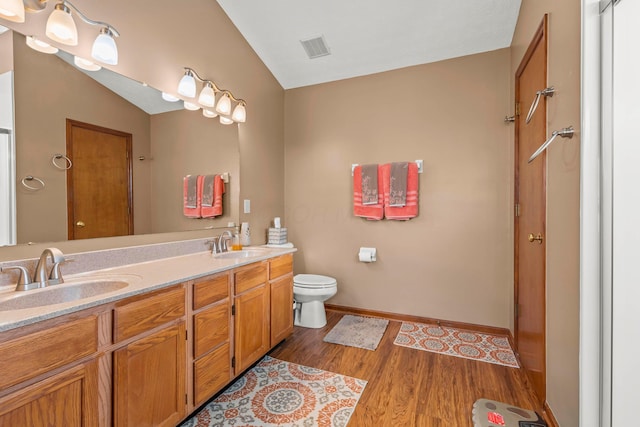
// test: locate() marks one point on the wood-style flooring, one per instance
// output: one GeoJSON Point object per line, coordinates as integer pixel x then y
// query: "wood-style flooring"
{"type": "Point", "coordinates": [408, 387]}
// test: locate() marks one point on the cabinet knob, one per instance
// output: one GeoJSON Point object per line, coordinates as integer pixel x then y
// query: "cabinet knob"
{"type": "Point", "coordinates": [80, 224]}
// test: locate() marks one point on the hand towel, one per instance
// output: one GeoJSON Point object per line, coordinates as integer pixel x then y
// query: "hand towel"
{"type": "Point", "coordinates": [370, 185]}
{"type": "Point", "coordinates": [370, 212]}
{"type": "Point", "coordinates": [398, 184]}
{"type": "Point", "coordinates": [207, 190]}
{"type": "Point", "coordinates": [218, 191]}
{"type": "Point", "coordinates": [410, 209]}
{"type": "Point", "coordinates": [192, 192]}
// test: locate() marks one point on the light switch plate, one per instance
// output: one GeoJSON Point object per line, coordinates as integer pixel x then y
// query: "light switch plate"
{"type": "Point", "coordinates": [247, 206]}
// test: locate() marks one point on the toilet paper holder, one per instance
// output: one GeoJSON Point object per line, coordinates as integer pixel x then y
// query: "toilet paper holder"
{"type": "Point", "coordinates": [367, 255]}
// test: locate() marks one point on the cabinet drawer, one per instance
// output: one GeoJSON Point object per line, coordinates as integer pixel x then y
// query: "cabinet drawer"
{"type": "Point", "coordinates": [211, 373]}
{"type": "Point", "coordinates": [142, 315]}
{"type": "Point", "coordinates": [211, 328]}
{"type": "Point", "coordinates": [209, 290]}
{"type": "Point", "coordinates": [29, 356]}
{"type": "Point", "coordinates": [250, 277]}
{"type": "Point", "coordinates": [280, 266]}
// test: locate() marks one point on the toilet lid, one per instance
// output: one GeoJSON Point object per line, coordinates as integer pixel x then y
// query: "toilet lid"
{"type": "Point", "coordinates": [313, 281]}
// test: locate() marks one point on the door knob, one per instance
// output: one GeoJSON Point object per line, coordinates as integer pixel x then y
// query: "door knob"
{"type": "Point", "coordinates": [80, 224]}
{"type": "Point", "coordinates": [537, 238]}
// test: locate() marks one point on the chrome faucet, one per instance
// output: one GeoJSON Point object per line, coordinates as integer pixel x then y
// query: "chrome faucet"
{"type": "Point", "coordinates": [40, 276]}
{"type": "Point", "coordinates": [222, 243]}
{"type": "Point", "coordinates": [24, 281]}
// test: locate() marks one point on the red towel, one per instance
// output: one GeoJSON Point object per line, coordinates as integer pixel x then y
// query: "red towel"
{"type": "Point", "coordinates": [192, 212]}
{"type": "Point", "coordinates": [218, 191]}
{"type": "Point", "coordinates": [371, 212]}
{"type": "Point", "coordinates": [410, 210]}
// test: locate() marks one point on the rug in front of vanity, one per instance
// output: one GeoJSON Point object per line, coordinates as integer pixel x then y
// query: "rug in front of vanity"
{"type": "Point", "coordinates": [357, 331]}
{"type": "Point", "coordinates": [279, 393]}
{"type": "Point", "coordinates": [455, 342]}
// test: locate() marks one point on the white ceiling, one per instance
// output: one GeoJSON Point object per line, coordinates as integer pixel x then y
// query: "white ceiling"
{"type": "Point", "coordinates": [368, 36]}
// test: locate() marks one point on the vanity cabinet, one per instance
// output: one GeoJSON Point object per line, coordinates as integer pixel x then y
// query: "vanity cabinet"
{"type": "Point", "coordinates": [281, 292]}
{"type": "Point", "coordinates": [252, 314]}
{"type": "Point", "coordinates": [211, 336]}
{"type": "Point", "coordinates": [149, 370]}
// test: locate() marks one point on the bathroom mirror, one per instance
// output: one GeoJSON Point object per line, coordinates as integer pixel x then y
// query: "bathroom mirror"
{"type": "Point", "coordinates": [167, 144]}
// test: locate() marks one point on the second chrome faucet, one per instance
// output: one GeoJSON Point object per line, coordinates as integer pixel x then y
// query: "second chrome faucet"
{"type": "Point", "coordinates": [41, 277]}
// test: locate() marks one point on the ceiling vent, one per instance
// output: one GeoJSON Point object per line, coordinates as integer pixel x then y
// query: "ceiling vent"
{"type": "Point", "coordinates": [315, 47]}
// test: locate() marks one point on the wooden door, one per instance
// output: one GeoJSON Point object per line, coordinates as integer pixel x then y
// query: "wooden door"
{"type": "Point", "coordinates": [67, 399]}
{"type": "Point", "coordinates": [251, 326]}
{"type": "Point", "coordinates": [99, 184]}
{"type": "Point", "coordinates": [149, 380]}
{"type": "Point", "coordinates": [530, 199]}
{"type": "Point", "coordinates": [281, 308]}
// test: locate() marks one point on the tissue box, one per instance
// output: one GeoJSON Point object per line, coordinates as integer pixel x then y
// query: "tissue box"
{"type": "Point", "coordinates": [277, 236]}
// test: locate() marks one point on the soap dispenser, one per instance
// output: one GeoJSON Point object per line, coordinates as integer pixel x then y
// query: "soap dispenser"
{"type": "Point", "coordinates": [235, 241]}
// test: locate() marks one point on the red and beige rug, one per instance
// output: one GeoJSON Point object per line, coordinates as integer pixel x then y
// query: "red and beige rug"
{"type": "Point", "coordinates": [279, 393]}
{"type": "Point", "coordinates": [456, 342]}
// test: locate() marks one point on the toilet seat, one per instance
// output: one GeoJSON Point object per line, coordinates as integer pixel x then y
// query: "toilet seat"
{"type": "Point", "coordinates": [313, 281]}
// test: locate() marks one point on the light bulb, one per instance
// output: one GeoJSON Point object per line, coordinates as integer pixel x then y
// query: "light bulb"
{"type": "Point", "coordinates": [187, 85]}
{"type": "Point", "coordinates": [225, 120]}
{"type": "Point", "coordinates": [61, 26]}
{"type": "Point", "coordinates": [191, 106]}
{"type": "Point", "coordinates": [239, 113]}
{"type": "Point", "coordinates": [170, 98]}
{"type": "Point", "coordinates": [104, 47]}
{"type": "Point", "coordinates": [208, 113]}
{"type": "Point", "coordinates": [37, 44]}
{"type": "Point", "coordinates": [12, 10]}
{"type": "Point", "coordinates": [207, 95]}
{"type": "Point", "coordinates": [85, 64]}
{"type": "Point", "coordinates": [224, 105]}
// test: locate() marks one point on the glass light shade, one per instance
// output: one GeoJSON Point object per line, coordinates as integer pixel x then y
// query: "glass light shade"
{"type": "Point", "coordinates": [225, 120]}
{"type": "Point", "coordinates": [12, 10]}
{"type": "Point", "coordinates": [170, 98]}
{"type": "Point", "coordinates": [224, 105]}
{"type": "Point", "coordinates": [207, 96]}
{"type": "Point", "coordinates": [61, 27]}
{"type": "Point", "coordinates": [191, 106]}
{"type": "Point", "coordinates": [187, 85]}
{"type": "Point", "coordinates": [37, 44]}
{"type": "Point", "coordinates": [104, 48]}
{"type": "Point", "coordinates": [85, 64]}
{"type": "Point", "coordinates": [239, 114]}
{"type": "Point", "coordinates": [208, 113]}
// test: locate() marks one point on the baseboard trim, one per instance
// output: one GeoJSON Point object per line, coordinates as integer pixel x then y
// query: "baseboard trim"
{"type": "Point", "coordinates": [551, 419]}
{"type": "Point", "coordinates": [418, 319]}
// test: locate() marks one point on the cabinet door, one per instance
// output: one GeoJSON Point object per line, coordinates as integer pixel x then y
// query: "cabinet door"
{"type": "Point", "coordinates": [252, 340]}
{"type": "Point", "coordinates": [149, 379]}
{"type": "Point", "coordinates": [281, 309]}
{"type": "Point", "coordinates": [67, 399]}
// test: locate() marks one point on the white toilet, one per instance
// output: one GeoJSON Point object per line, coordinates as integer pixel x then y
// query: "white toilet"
{"type": "Point", "coordinates": [310, 291]}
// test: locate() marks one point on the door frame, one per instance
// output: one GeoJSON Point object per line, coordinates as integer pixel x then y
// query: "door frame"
{"type": "Point", "coordinates": [70, 196]}
{"type": "Point", "coordinates": [540, 36]}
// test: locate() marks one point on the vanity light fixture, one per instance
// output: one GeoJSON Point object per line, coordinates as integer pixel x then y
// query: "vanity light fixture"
{"type": "Point", "coordinates": [62, 28]}
{"type": "Point", "coordinates": [191, 106]}
{"type": "Point", "coordinates": [169, 98]}
{"type": "Point", "coordinates": [12, 10]}
{"type": "Point", "coordinates": [85, 64]}
{"type": "Point", "coordinates": [207, 98]}
{"type": "Point", "coordinates": [36, 44]}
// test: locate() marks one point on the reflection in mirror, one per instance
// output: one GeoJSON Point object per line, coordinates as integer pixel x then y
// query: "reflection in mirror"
{"type": "Point", "coordinates": [166, 144]}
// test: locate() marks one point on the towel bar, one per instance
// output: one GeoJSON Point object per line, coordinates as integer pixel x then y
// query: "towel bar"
{"type": "Point", "coordinates": [420, 164]}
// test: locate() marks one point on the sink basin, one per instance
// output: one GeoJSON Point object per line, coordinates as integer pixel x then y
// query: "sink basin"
{"type": "Point", "coordinates": [62, 293]}
{"type": "Point", "coordinates": [245, 253]}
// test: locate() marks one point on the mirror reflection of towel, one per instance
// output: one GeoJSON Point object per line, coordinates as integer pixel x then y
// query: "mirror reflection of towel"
{"type": "Point", "coordinates": [192, 191]}
{"type": "Point", "coordinates": [207, 190]}
{"type": "Point", "coordinates": [398, 184]}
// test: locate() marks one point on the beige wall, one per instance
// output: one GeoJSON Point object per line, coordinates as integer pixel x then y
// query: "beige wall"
{"type": "Point", "coordinates": [454, 261]}
{"type": "Point", "coordinates": [185, 143]}
{"type": "Point", "coordinates": [48, 91]}
{"type": "Point", "coordinates": [563, 196]}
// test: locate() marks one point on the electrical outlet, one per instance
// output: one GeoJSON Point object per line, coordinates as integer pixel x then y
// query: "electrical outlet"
{"type": "Point", "coordinates": [247, 206]}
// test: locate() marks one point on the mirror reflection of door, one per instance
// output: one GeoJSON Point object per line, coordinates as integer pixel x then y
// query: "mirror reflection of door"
{"type": "Point", "coordinates": [99, 182]}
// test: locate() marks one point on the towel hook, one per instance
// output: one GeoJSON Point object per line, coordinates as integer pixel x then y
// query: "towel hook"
{"type": "Point", "coordinates": [564, 133]}
{"type": "Point", "coordinates": [32, 178]}
{"type": "Point", "coordinates": [546, 92]}
{"type": "Point", "coordinates": [67, 162]}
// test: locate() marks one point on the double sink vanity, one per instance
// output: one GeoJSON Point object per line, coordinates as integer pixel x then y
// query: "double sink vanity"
{"type": "Point", "coordinates": [140, 344]}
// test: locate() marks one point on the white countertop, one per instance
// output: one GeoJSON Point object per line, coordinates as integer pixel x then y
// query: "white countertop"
{"type": "Point", "coordinates": [142, 277]}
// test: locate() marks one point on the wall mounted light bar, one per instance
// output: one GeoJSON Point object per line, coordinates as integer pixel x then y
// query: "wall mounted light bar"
{"type": "Point", "coordinates": [187, 87]}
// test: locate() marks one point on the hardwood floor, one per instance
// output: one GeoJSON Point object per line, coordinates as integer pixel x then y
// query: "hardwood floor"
{"type": "Point", "coordinates": [408, 387]}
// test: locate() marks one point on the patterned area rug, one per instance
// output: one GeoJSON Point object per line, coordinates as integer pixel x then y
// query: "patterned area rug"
{"type": "Point", "coordinates": [278, 393]}
{"type": "Point", "coordinates": [455, 342]}
{"type": "Point", "coordinates": [358, 331]}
